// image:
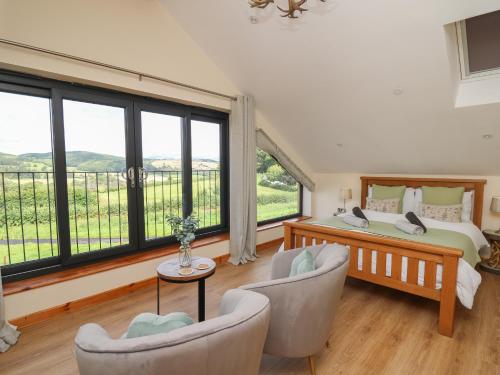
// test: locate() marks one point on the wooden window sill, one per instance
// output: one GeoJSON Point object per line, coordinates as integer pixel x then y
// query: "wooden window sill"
{"type": "Point", "coordinates": [109, 264]}
{"type": "Point", "coordinates": [280, 223]}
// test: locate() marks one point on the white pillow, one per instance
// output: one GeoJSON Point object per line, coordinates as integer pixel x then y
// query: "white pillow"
{"type": "Point", "coordinates": [467, 206]}
{"type": "Point", "coordinates": [419, 197]}
{"type": "Point", "coordinates": [409, 203]}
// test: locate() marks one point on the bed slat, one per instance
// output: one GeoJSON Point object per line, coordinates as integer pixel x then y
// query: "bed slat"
{"type": "Point", "coordinates": [367, 261]}
{"type": "Point", "coordinates": [353, 259]}
{"type": "Point", "coordinates": [309, 241]}
{"type": "Point", "coordinates": [381, 263]}
{"type": "Point", "coordinates": [430, 275]}
{"type": "Point", "coordinates": [412, 273]}
{"type": "Point", "coordinates": [298, 241]}
{"type": "Point", "coordinates": [396, 266]}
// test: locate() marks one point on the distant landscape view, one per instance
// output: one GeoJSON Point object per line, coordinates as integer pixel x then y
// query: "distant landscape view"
{"type": "Point", "coordinates": [98, 203]}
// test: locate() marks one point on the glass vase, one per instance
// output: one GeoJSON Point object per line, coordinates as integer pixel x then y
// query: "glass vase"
{"type": "Point", "coordinates": [185, 256]}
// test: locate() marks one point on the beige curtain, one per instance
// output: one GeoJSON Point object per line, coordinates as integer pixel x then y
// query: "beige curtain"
{"type": "Point", "coordinates": [8, 332]}
{"type": "Point", "coordinates": [243, 177]}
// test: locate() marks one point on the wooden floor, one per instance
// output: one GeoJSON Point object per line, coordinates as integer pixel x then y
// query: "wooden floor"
{"type": "Point", "coordinates": [376, 331]}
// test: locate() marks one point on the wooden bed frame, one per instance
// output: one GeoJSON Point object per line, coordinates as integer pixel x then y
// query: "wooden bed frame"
{"type": "Point", "coordinates": [304, 234]}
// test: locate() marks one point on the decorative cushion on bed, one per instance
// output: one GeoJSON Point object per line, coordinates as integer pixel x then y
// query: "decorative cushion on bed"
{"type": "Point", "coordinates": [442, 195]}
{"type": "Point", "coordinates": [448, 213]}
{"type": "Point", "coordinates": [383, 205]}
{"type": "Point", "coordinates": [389, 192]}
{"type": "Point", "coordinates": [302, 263]}
{"type": "Point", "coordinates": [146, 324]}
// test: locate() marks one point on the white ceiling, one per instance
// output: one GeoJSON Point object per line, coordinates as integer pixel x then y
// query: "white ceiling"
{"type": "Point", "coordinates": [329, 77]}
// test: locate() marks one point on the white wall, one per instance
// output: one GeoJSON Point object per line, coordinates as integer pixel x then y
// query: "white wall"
{"type": "Point", "coordinates": [456, 10]}
{"type": "Point", "coordinates": [135, 34]}
{"type": "Point", "coordinates": [327, 199]}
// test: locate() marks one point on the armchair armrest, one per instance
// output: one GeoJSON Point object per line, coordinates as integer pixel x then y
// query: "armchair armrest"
{"type": "Point", "coordinates": [91, 336]}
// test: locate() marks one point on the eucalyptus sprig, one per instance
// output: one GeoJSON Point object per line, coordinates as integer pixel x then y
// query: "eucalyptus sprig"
{"type": "Point", "coordinates": [183, 229]}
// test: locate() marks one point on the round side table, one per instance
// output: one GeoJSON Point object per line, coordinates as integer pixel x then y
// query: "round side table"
{"type": "Point", "coordinates": [169, 271]}
{"type": "Point", "coordinates": [492, 264]}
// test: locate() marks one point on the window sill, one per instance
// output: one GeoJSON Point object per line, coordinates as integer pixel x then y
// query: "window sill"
{"type": "Point", "coordinates": [14, 287]}
{"type": "Point", "coordinates": [105, 265]}
{"type": "Point", "coordinates": [280, 223]}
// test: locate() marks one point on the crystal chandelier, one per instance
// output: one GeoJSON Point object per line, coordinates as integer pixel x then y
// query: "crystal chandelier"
{"type": "Point", "coordinates": [293, 6]}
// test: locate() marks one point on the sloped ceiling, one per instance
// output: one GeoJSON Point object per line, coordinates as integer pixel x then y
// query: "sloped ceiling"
{"type": "Point", "coordinates": [327, 82]}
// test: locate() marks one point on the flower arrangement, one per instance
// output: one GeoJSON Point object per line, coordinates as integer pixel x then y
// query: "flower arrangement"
{"type": "Point", "coordinates": [183, 230]}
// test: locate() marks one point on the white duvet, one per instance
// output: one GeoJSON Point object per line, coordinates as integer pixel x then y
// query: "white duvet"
{"type": "Point", "coordinates": [468, 279]}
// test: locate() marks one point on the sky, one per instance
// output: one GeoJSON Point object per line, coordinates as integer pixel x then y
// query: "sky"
{"type": "Point", "coordinates": [25, 128]}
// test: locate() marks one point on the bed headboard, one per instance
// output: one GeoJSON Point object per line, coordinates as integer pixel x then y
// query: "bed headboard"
{"type": "Point", "coordinates": [476, 185]}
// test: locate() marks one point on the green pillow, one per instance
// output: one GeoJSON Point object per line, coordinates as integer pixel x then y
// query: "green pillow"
{"type": "Point", "coordinates": [146, 324]}
{"type": "Point", "coordinates": [442, 195]}
{"type": "Point", "coordinates": [389, 192]}
{"type": "Point", "coordinates": [302, 263]}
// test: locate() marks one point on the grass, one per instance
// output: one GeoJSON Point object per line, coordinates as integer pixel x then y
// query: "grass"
{"type": "Point", "coordinates": [110, 228]}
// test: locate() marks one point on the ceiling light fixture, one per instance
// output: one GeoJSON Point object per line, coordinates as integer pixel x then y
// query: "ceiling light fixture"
{"type": "Point", "coordinates": [398, 91]}
{"type": "Point", "coordinates": [293, 6]}
{"type": "Point", "coordinates": [487, 136]}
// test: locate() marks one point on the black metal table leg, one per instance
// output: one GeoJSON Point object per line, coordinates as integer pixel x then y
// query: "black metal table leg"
{"type": "Point", "coordinates": [158, 295]}
{"type": "Point", "coordinates": [201, 300]}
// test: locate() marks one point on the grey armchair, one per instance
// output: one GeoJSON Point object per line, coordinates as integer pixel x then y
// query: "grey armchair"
{"type": "Point", "coordinates": [303, 307]}
{"type": "Point", "coordinates": [229, 344]}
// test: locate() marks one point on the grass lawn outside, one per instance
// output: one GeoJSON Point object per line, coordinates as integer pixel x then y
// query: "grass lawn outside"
{"type": "Point", "coordinates": [96, 231]}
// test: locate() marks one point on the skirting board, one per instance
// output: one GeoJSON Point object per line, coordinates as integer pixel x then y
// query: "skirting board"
{"type": "Point", "coordinates": [121, 291]}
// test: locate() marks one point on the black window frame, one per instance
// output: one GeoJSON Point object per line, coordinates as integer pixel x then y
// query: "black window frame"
{"type": "Point", "coordinates": [286, 217]}
{"type": "Point", "coordinates": [57, 91]}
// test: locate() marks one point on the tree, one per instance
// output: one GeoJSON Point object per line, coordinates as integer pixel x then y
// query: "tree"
{"type": "Point", "coordinates": [264, 161]}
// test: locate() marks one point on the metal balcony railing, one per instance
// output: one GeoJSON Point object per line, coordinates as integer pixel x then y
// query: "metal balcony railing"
{"type": "Point", "coordinates": [98, 210]}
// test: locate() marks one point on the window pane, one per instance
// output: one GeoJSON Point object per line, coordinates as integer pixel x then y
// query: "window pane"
{"type": "Point", "coordinates": [278, 194]}
{"type": "Point", "coordinates": [28, 228]}
{"type": "Point", "coordinates": [483, 42]}
{"type": "Point", "coordinates": [95, 159]}
{"type": "Point", "coordinates": [161, 149]}
{"type": "Point", "coordinates": [205, 149]}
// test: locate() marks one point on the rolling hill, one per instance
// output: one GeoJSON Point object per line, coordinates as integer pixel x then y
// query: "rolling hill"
{"type": "Point", "coordinates": [83, 161]}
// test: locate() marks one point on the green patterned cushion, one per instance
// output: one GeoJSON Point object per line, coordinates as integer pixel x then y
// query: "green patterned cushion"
{"type": "Point", "coordinates": [146, 324]}
{"type": "Point", "coordinates": [302, 263]}
{"type": "Point", "coordinates": [442, 196]}
{"type": "Point", "coordinates": [389, 192]}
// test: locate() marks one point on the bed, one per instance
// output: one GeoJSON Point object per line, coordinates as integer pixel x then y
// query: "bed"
{"type": "Point", "coordinates": [423, 269]}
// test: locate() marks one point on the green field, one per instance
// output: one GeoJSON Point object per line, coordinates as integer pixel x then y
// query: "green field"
{"type": "Point", "coordinates": [99, 219]}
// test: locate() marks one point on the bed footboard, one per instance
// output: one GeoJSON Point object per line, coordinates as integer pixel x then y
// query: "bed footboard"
{"type": "Point", "coordinates": [366, 247]}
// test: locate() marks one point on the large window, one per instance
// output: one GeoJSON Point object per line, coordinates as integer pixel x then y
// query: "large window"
{"type": "Point", "coordinates": [87, 173]}
{"type": "Point", "coordinates": [278, 193]}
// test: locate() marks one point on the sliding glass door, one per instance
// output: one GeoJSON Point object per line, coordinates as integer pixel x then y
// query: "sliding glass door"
{"type": "Point", "coordinates": [96, 172]}
{"type": "Point", "coordinates": [181, 163]}
{"type": "Point", "coordinates": [99, 174]}
{"type": "Point", "coordinates": [28, 223]}
{"type": "Point", "coordinates": [206, 172]}
{"type": "Point", "coordinates": [87, 174]}
{"type": "Point", "coordinates": [160, 170]}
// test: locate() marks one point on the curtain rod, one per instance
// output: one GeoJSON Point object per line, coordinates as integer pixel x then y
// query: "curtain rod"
{"type": "Point", "coordinates": [114, 67]}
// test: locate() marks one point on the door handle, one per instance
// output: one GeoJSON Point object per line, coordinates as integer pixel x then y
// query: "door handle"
{"type": "Point", "coordinates": [143, 176]}
{"type": "Point", "coordinates": [130, 175]}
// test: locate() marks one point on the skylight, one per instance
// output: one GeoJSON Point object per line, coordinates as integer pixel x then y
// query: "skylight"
{"type": "Point", "coordinates": [479, 45]}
